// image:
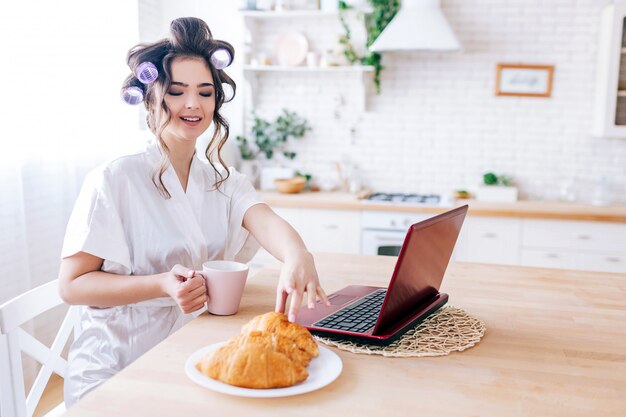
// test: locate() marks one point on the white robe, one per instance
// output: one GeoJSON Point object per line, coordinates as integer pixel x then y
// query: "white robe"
{"type": "Point", "coordinates": [120, 217]}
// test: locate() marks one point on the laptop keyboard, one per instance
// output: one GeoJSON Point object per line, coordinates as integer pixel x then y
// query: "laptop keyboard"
{"type": "Point", "coordinates": [358, 317]}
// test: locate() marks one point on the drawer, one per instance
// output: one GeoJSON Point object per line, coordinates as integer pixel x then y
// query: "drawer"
{"type": "Point", "coordinates": [605, 262]}
{"type": "Point", "coordinates": [575, 235]}
{"type": "Point", "coordinates": [549, 258]}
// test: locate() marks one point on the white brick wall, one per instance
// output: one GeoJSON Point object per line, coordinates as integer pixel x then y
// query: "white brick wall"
{"type": "Point", "coordinates": [437, 124]}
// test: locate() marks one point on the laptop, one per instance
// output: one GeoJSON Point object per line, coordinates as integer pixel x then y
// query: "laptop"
{"type": "Point", "coordinates": [381, 315]}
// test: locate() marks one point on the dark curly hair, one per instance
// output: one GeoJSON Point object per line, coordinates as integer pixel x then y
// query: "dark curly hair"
{"type": "Point", "coordinates": [189, 37]}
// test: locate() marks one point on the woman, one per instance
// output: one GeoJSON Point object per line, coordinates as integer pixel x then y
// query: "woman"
{"type": "Point", "coordinates": [144, 222]}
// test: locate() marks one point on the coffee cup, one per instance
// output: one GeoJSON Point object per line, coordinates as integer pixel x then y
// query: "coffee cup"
{"type": "Point", "coordinates": [225, 281]}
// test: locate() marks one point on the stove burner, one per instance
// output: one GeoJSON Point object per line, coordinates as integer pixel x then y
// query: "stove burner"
{"type": "Point", "coordinates": [433, 199]}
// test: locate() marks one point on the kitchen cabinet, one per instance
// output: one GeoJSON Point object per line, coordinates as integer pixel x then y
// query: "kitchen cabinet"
{"type": "Point", "coordinates": [565, 244]}
{"type": "Point", "coordinates": [593, 246]}
{"type": "Point", "coordinates": [263, 29]}
{"type": "Point", "coordinates": [610, 109]}
{"type": "Point", "coordinates": [489, 240]}
{"type": "Point", "coordinates": [325, 230]}
{"type": "Point", "coordinates": [322, 230]}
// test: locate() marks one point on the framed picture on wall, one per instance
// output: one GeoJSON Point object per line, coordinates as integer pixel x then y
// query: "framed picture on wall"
{"type": "Point", "coordinates": [524, 80]}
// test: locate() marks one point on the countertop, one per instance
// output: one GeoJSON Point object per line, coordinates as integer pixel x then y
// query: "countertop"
{"type": "Point", "coordinates": [553, 347]}
{"type": "Point", "coordinates": [523, 209]}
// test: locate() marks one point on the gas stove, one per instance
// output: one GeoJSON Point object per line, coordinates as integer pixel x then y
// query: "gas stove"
{"type": "Point", "coordinates": [434, 200]}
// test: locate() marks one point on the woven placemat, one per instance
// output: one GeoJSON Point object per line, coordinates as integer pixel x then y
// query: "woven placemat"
{"type": "Point", "coordinates": [449, 329]}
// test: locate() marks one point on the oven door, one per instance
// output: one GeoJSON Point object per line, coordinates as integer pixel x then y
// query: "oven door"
{"type": "Point", "coordinates": [382, 242]}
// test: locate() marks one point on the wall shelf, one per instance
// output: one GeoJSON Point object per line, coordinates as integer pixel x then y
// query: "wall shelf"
{"type": "Point", "coordinates": [287, 14]}
{"type": "Point", "coordinates": [277, 68]}
{"type": "Point", "coordinates": [255, 20]}
{"type": "Point", "coordinates": [252, 74]}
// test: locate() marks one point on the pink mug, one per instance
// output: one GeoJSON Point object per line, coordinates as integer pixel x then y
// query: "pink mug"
{"type": "Point", "coordinates": [225, 281]}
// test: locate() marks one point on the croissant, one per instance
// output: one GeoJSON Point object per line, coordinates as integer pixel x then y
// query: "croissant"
{"type": "Point", "coordinates": [254, 361]}
{"type": "Point", "coordinates": [279, 324]}
{"type": "Point", "coordinates": [276, 342]}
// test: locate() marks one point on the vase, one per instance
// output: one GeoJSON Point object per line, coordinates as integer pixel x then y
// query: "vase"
{"type": "Point", "coordinates": [252, 169]}
{"type": "Point", "coordinates": [496, 193]}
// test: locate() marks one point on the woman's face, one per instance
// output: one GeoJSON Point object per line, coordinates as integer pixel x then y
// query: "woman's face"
{"type": "Point", "coordinates": [190, 99]}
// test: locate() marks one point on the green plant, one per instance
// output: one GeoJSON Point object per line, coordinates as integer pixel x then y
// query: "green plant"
{"type": "Point", "coordinates": [489, 178]}
{"type": "Point", "coordinates": [269, 137]}
{"type": "Point", "coordinates": [307, 176]}
{"type": "Point", "coordinates": [375, 22]}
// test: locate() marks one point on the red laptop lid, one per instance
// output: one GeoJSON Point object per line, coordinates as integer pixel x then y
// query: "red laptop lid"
{"type": "Point", "coordinates": [421, 265]}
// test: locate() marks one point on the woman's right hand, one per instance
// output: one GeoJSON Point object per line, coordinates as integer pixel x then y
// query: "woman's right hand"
{"type": "Point", "coordinates": [186, 288]}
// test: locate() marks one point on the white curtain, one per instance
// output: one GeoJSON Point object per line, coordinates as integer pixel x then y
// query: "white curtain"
{"type": "Point", "coordinates": [62, 65]}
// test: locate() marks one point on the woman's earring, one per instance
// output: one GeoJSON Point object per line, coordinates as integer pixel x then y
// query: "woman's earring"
{"type": "Point", "coordinates": [146, 72]}
{"type": "Point", "coordinates": [133, 95]}
{"type": "Point", "coordinates": [221, 58]}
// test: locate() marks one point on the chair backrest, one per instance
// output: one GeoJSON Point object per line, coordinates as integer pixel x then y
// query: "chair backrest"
{"type": "Point", "coordinates": [13, 340]}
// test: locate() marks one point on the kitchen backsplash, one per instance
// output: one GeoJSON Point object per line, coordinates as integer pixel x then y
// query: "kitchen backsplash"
{"type": "Point", "coordinates": [437, 125]}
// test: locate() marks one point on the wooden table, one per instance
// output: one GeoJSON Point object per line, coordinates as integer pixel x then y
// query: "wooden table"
{"type": "Point", "coordinates": [555, 346]}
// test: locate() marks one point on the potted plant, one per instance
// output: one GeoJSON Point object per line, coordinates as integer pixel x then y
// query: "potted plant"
{"type": "Point", "coordinates": [266, 140]}
{"type": "Point", "coordinates": [499, 188]}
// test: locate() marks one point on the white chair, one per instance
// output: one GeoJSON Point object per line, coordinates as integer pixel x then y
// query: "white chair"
{"type": "Point", "coordinates": [14, 340]}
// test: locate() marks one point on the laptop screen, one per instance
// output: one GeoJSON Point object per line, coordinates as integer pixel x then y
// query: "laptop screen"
{"type": "Point", "coordinates": [421, 264]}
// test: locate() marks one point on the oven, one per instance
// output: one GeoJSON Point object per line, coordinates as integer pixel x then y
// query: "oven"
{"type": "Point", "coordinates": [383, 232]}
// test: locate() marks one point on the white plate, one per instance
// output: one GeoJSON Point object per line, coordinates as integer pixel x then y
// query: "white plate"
{"type": "Point", "coordinates": [291, 49]}
{"type": "Point", "coordinates": [322, 371]}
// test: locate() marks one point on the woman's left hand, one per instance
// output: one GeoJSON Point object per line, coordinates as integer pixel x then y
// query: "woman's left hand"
{"type": "Point", "coordinates": [298, 276]}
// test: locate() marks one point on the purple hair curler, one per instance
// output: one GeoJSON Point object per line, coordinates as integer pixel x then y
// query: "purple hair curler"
{"type": "Point", "coordinates": [146, 72]}
{"type": "Point", "coordinates": [220, 58]}
{"type": "Point", "coordinates": [229, 93]}
{"type": "Point", "coordinates": [132, 95]}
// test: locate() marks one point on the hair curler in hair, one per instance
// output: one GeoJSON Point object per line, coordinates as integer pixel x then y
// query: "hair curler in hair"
{"type": "Point", "coordinates": [229, 93]}
{"type": "Point", "coordinates": [146, 72]}
{"type": "Point", "coordinates": [220, 58]}
{"type": "Point", "coordinates": [132, 95]}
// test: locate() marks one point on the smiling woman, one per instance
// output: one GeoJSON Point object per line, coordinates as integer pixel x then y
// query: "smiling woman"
{"type": "Point", "coordinates": [146, 221]}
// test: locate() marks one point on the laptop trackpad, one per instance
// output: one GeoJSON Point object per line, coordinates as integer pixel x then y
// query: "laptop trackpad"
{"type": "Point", "coordinates": [339, 300]}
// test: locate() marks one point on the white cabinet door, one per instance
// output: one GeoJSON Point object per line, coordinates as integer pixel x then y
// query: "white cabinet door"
{"type": "Point", "coordinates": [332, 230]}
{"type": "Point", "coordinates": [489, 240]}
{"type": "Point", "coordinates": [325, 230]}
{"type": "Point", "coordinates": [547, 258]}
{"type": "Point", "coordinates": [610, 111]}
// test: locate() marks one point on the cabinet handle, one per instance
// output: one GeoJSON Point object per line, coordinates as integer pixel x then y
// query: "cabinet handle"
{"type": "Point", "coordinates": [613, 259]}
{"type": "Point", "coordinates": [331, 226]}
{"type": "Point", "coordinates": [584, 237]}
{"type": "Point", "coordinates": [552, 255]}
{"type": "Point", "coordinates": [490, 235]}
{"type": "Point", "coordinates": [397, 241]}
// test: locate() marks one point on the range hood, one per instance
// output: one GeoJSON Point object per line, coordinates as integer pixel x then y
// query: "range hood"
{"type": "Point", "coordinates": [419, 25]}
